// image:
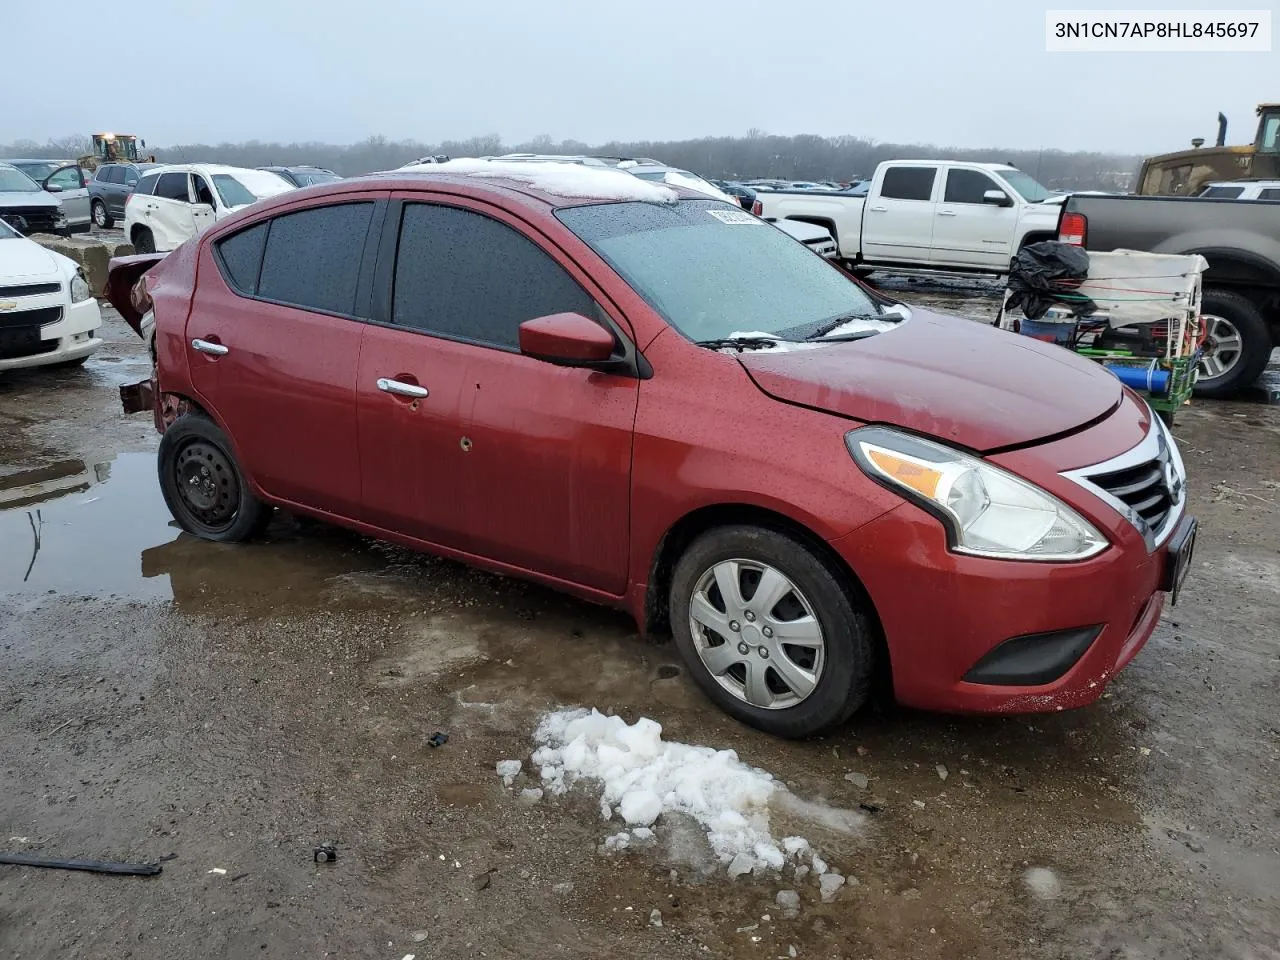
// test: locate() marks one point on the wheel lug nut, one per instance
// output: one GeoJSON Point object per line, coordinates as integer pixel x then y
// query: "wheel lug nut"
{"type": "Point", "coordinates": [767, 631]}
{"type": "Point", "coordinates": [743, 648]}
{"type": "Point", "coordinates": [764, 654]}
{"type": "Point", "coordinates": [750, 616]}
{"type": "Point", "coordinates": [735, 626]}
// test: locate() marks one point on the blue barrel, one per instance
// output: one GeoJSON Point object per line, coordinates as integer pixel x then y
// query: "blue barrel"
{"type": "Point", "coordinates": [1149, 378]}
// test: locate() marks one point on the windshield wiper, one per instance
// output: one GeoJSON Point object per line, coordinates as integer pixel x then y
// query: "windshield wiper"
{"type": "Point", "coordinates": [836, 322]}
{"type": "Point", "coordinates": [738, 343]}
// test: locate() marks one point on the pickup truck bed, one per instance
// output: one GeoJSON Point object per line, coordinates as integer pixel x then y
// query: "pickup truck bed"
{"type": "Point", "coordinates": [1241, 241]}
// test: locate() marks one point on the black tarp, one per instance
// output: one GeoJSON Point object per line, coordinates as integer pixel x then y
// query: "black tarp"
{"type": "Point", "coordinates": [1045, 274]}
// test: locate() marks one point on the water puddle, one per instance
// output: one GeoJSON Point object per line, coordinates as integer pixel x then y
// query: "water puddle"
{"type": "Point", "coordinates": [78, 528]}
{"type": "Point", "coordinates": [103, 530]}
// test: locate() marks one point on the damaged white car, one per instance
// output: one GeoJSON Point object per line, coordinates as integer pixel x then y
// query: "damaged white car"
{"type": "Point", "coordinates": [172, 204]}
{"type": "Point", "coordinates": [47, 312]}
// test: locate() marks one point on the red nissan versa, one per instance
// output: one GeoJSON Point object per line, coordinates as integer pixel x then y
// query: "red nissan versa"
{"type": "Point", "coordinates": [653, 400]}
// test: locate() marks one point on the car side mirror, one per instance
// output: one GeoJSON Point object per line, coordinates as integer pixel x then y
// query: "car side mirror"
{"type": "Point", "coordinates": [567, 340]}
{"type": "Point", "coordinates": [997, 198]}
{"type": "Point", "coordinates": [52, 188]}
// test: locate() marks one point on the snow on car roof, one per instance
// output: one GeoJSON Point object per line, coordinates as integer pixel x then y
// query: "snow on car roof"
{"type": "Point", "coordinates": [558, 179]}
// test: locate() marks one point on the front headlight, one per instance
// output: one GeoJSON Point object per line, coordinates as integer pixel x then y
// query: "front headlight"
{"type": "Point", "coordinates": [988, 512]}
{"type": "Point", "coordinates": [79, 288]}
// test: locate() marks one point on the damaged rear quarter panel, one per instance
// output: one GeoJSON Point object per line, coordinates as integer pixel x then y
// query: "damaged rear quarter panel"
{"type": "Point", "coordinates": [171, 280]}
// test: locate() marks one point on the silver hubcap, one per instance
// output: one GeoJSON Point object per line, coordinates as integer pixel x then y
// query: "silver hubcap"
{"type": "Point", "coordinates": [1223, 348]}
{"type": "Point", "coordinates": [99, 214]}
{"type": "Point", "coordinates": [756, 633]}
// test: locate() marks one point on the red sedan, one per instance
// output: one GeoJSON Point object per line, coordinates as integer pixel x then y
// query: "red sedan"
{"type": "Point", "coordinates": [653, 400]}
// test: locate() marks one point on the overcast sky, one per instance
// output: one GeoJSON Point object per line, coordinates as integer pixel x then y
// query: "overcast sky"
{"type": "Point", "coordinates": [969, 74]}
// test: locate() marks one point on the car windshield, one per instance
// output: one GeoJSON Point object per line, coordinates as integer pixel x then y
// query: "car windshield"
{"type": "Point", "coordinates": [713, 272]}
{"type": "Point", "coordinates": [246, 186]}
{"type": "Point", "coordinates": [15, 181]}
{"type": "Point", "coordinates": [38, 169]}
{"type": "Point", "coordinates": [1027, 187]}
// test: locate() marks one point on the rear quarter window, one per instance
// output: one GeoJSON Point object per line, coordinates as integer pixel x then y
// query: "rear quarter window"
{"type": "Point", "coordinates": [147, 185]}
{"type": "Point", "coordinates": [239, 258]}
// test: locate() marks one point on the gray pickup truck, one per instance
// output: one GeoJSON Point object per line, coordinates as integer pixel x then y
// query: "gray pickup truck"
{"type": "Point", "coordinates": [1241, 241]}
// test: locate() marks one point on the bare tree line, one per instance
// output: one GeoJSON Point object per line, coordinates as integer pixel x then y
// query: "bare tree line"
{"type": "Point", "coordinates": [758, 154]}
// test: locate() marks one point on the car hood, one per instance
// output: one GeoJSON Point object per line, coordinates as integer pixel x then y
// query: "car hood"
{"type": "Point", "coordinates": [960, 381]}
{"type": "Point", "coordinates": [23, 259]}
{"type": "Point", "coordinates": [24, 199]}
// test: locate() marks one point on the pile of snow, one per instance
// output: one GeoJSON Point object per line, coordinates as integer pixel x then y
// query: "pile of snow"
{"type": "Point", "coordinates": [642, 777]}
{"type": "Point", "coordinates": [560, 179]}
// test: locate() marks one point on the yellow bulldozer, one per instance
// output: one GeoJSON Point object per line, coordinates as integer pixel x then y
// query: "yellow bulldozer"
{"type": "Point", "coordinates": [115, 148]}
{"type": "Point", "coordinates": [1185, 173]}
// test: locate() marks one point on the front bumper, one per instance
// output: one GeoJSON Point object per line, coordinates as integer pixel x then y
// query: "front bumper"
{"type": "Point", "coordinates": [68, 338]}
{"type": "Point", "coordinates": [943, 613]}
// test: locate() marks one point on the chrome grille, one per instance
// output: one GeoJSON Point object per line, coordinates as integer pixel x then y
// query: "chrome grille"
{"type": "Point", "coordinates": [1146, 485]}
{"type": "Point", "coordinates": [1143, 488]}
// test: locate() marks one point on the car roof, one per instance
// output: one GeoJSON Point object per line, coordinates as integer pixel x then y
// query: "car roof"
{"type": "Point", "coordinates": [209, 168]}
{"type": "Point", "coordinates": [533, 191]}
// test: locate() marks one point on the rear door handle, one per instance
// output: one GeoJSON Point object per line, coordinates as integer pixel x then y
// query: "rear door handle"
{"type": "Point", "coordinates": [401, 389]}
{"type": "Point", "coordinates": [878, 209]}
{"type": "Point", "coordinates": [946, 213]}
{"type": "Point", "coordinates": [213, 349]}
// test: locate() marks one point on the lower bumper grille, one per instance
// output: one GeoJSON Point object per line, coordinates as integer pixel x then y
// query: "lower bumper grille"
{"type": "Point", "coordinates": [30, 318]}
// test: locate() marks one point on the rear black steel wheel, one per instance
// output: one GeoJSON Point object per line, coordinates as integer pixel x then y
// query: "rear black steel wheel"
{"type": "Point", "coordinates": [203, 486]}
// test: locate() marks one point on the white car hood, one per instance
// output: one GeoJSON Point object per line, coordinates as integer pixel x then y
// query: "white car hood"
{"type": "Point", "coordinates": [23, 259]}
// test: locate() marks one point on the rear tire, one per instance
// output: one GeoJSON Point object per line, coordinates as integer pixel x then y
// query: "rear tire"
{"type": "Point", "coordinates": [203, 486]}
{"type": "Point", "coordinates": [101, 216]}
{"type": "Point", "coordinates": [143, 240]}
{"type": "Point", "coordinates": [834, 663]}
{"type": "Point", "coordinates": [1233, 321]}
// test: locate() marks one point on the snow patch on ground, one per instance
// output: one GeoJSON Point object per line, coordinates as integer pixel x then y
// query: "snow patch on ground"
{"type": "Point", "coordinates": [644, 779]}
{"type": "Point", "coordinates": [1043, 883]}
{"type": "Point", "coordinates": [559, 179]}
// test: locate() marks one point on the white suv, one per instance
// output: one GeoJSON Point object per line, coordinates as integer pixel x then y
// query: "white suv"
{"type": "Point", "coordinates": [47, 312]}
{"type": "Point", "coordinates": [172, 204]}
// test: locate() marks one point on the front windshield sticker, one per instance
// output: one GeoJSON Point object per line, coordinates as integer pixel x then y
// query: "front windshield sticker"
{"type": "Point", "coordinates": [734, 216]}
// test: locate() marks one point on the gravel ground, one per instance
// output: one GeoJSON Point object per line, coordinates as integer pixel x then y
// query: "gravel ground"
{"type": "Point", "coordinates": [236, 706]}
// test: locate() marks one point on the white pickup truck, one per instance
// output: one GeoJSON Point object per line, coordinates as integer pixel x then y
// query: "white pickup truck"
{"type": "Point", "coordinates": [943, 215]}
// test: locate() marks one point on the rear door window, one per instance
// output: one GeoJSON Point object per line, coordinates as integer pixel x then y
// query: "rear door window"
{"type": "Point", "coordinates": [111, 174]}
{"type": "Point", "coordinates": [466, 276]}
{"type": "Point", "coordinates": [313, 257]}
{"type": "Point", "coordinates": [908, 183]}
{"type": "Point", "coordinates": [1271, 193]}
{"type": "Point", "coordinates": [173, 186]}
{"type": "Point", "coordinates": [1222, 193]}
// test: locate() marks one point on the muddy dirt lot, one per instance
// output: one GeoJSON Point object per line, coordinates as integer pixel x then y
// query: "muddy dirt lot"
{"type": "Point", "coordinates": [235, 706]}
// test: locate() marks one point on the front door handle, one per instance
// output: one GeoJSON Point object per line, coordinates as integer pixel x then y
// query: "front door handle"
{"type": "Point", "coordinates": [213, 349]}
{"type": "Point", "coordinates": [401, 389]}
{"type": "Point", "coordinates": [878, 209]}
{"type": "Point", "coordinates": [946, 213]}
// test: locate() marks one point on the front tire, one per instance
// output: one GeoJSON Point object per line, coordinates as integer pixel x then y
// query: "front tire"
{"type": "Point", "coordinates": [203, 485]}
{"type": "Point", "coordinates": [1237, 348]}
{"type": "Point", "coordinates": [769, 631]}
{"type": "Point", "coordinates": [100, 215]}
